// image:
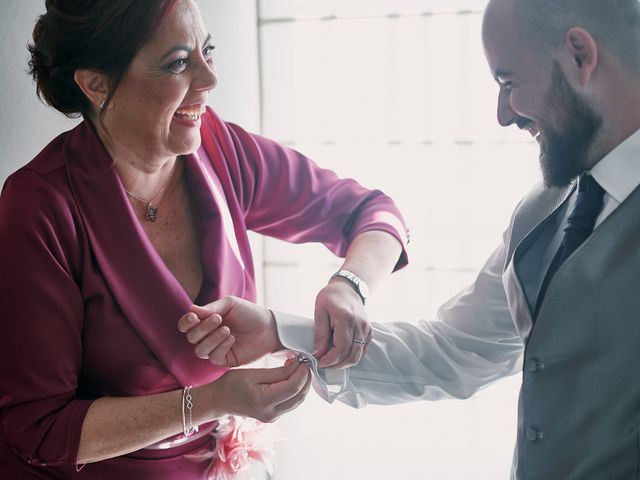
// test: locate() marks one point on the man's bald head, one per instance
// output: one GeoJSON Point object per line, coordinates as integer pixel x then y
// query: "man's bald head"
{"type": "Point", "coordinates": [614, 24]}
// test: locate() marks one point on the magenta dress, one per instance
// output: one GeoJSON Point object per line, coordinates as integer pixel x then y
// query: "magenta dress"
{"type": "Point", "coordinates": [89, 309]}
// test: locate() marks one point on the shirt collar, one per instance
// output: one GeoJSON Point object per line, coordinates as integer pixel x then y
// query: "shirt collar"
{"type": "Point", "coordinates": [619, 171]}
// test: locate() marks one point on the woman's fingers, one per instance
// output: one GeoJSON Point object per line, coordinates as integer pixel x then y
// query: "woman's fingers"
{"type": "Point", "coordinates": [197, 313]}
{"type": "Point", "coordinates": [289, 393]}
{"type": "Point", "coordinates": [295, 401]}
{"type": "Point", "coordinates": [348, 325]}
{"type": "Point", "coordinates": [207, 346]}
{"type": "Point", "coordinates": [278, 390]}
{"type": "Point", "coordinates": [187, 322]}
{"type": "Point", "coordinates": [358, 344]}
{"type": "Point", "coordinates": [203, 329]}
{"type": "Point", "coordinates": [219, 356]}
{"type": "Point", "coordinates": [220, 307]}
{"type": "Point", "coordinates": [342, 337]}
{"type": "Point", "coordinates": [212, 340]}
{"type": "Point", "coordinates": [322, 333]}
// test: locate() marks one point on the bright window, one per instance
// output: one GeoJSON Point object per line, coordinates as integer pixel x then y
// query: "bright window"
{"type": "Point", "coordinates": [396, 94]}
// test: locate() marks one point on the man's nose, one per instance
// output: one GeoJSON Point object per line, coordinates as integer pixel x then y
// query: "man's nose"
{"type": "Point", "coordinates": [506, 114]}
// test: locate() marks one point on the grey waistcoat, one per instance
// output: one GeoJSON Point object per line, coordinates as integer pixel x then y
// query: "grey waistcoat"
{"type": "Point", "coordinates": [579, 406]}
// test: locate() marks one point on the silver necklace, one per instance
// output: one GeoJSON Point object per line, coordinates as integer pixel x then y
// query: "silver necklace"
{"type": "Point", "coordinates": [151, 214]}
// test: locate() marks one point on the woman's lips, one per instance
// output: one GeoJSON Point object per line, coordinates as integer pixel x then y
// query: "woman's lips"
{"type": "Point", "coordinates": [190, 113]}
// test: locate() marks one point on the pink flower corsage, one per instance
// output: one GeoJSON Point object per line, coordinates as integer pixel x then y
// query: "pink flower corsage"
{"type": "Point", "coordinates": [238, 442]}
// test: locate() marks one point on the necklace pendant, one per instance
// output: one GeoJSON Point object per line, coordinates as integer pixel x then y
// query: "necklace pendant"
{"type": "Point", "coordinates": [151, 214]}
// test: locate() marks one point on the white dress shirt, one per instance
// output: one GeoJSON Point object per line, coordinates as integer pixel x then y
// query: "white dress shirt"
{"type": "Point", "coordinates": [474, 341]}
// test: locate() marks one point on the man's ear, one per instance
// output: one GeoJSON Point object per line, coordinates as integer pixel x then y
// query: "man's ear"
{"type": "Point", "coordinates": [94, 84]}
{"type": "Point", "coordinates": [579, 55]}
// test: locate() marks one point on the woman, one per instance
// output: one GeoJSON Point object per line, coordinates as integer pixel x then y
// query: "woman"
{"type": "Point", "coordinates": [125, 223]}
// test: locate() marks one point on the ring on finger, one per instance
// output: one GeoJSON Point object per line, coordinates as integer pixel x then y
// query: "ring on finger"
{"type": "Point", "coordinates": [360, 341]}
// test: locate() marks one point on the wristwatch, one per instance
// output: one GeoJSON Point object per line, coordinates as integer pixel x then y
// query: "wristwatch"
{"type": "Point", "coordinates": [359, 285]}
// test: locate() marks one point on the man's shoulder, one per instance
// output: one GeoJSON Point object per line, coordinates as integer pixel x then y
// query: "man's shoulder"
{"type": "Point", "coordinates": [540, 202]}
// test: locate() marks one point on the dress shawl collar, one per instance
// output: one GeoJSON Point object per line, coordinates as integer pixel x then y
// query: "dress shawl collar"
{"type": "Point", "coordinates": [145, 289]}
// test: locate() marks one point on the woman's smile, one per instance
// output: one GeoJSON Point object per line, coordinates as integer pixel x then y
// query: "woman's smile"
{"type": "Point", "coordinates": [189, 115]}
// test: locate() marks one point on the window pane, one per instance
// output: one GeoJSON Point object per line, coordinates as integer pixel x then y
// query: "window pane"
{"type": "Point", "coordinates": [415, 79]}
{"type": "Point", "coordinates": [397, 95]}
{"type": "Point", "coordinates": [280, 9]}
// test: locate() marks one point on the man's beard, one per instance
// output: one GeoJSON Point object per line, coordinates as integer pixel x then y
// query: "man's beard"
{"type": "Point", "coordinates": [565, 153]}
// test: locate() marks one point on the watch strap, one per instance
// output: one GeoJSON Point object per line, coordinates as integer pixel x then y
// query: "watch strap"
{"type": "Point", "coordinates": [359, 285]}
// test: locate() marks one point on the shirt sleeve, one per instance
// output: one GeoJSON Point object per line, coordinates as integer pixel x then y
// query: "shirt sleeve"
{"type": "Point", "coordinates": [42, 317]}
{"type": "Point", "coordinates": [287, 196]}
{"type": "Point", "coordinates": [472, 344]}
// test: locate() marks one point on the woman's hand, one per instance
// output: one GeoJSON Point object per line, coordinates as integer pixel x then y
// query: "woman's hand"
{"type": "Point", "coordinates": [339, 320]}
{"type": "Point", "coordinates": [262, 393]}
{"type": "Point", "coordinates": [249, 331]}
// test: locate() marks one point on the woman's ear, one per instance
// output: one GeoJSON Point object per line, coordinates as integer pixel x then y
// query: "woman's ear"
{"type": "Point", "coordinates": [579, 55]}
{"type": "Point", "coordinates": [94, 85]}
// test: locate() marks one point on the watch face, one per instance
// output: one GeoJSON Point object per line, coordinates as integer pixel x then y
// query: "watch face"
{"type": "Point", "coordinates": [358, 284]}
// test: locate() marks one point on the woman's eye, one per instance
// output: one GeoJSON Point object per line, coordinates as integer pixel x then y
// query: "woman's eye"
{"type": "Point", "coordinates": [178, 66]}
{"type": "Point", "coordinates": [208, 52]}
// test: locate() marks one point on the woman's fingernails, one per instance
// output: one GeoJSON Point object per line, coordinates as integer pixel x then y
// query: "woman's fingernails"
{"type": "Point", "coordinates": [192, 318]}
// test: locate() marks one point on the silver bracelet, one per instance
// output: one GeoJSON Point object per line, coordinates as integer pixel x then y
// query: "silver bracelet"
{"type": "Point", "coordinates": [189, 428]}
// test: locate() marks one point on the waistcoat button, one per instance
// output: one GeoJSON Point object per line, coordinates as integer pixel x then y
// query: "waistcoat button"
{"type": "Point", "coordinates": [533, 365]}
{"type": "Point", "coordinates": [533, 434]}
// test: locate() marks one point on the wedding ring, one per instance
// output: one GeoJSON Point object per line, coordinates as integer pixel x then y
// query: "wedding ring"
{"type": "Point", "coordinates": [359, 340]}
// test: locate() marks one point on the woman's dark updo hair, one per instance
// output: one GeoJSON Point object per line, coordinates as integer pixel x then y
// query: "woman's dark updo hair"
{"type": "Point", "coordinates": [103, 35]}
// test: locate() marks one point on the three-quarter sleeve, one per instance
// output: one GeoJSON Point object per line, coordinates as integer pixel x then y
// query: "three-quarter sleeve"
{"type": "Point", "coordinates": [285, 195]}
{"type": "Point", "coordinates": [42, 319]}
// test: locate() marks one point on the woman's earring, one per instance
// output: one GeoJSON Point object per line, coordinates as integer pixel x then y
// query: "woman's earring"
{"type": "Point", "coordinates": [103, 102]}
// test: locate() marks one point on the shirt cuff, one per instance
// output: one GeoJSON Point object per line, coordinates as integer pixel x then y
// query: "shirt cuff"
{"type": "Point", "coordinates": [296, 334]}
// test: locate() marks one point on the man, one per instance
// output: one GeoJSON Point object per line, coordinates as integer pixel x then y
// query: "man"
{"type": "Point", "coordinates": [559, 297]}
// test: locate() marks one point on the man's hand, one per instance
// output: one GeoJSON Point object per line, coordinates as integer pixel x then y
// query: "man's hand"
{"type": "Point", "coordinates": [230, 332]}
{"type": "Point", "coordinates": [341, 326]}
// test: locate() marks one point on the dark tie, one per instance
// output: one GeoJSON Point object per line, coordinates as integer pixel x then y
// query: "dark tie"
{"type": "Point", "coordinates": [579, 226]}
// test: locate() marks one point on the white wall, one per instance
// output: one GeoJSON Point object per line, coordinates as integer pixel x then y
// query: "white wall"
{"type": "Point", "coordinates": [26, 125]}
{"type": "Point", "coordinates": [232, 24]}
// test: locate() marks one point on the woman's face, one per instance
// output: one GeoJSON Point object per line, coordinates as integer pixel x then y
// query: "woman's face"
{"type": "Point", "coordinates": [156, 109]}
